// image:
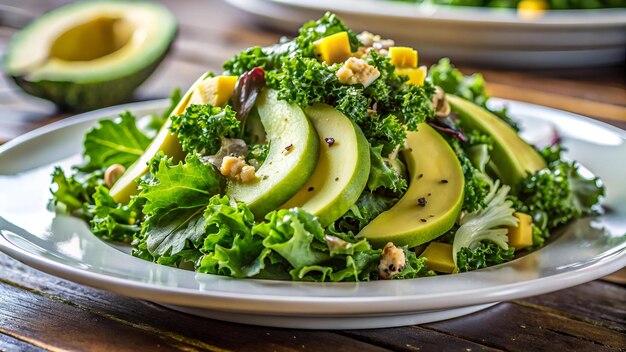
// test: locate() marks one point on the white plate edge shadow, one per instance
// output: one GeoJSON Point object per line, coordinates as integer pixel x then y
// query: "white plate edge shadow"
{"type": "Point", "coordinates": [290, 305]}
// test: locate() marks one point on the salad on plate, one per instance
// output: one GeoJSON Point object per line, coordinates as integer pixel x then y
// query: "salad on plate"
{"type": "Point", "coordinates": [333, 156]}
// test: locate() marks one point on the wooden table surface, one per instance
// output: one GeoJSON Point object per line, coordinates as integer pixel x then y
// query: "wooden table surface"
{"type": "Point", "coordinates": [42, 312]}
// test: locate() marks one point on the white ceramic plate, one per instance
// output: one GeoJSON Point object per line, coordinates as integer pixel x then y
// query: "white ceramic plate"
{"type": "Point", "coordinates": [568, 38]}
{"type": "Point", "coordinates": [63, 246]}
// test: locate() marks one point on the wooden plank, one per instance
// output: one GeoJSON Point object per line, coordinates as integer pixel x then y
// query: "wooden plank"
{"type": "Point", "coordinates": [585, 303]}
{"type": "Point", "coordinates": [515, 328]}
{"type": "Point", "coordinates": [150, 318]}
{"type": "Point", "coordinates": [53, 325]}
{"type": "Point", "coordinates": [9, 343]}
{"type": "Point", "coordinates": [415, 338]}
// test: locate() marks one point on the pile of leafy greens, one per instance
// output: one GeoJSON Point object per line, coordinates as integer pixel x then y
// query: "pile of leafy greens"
{"type": "Point", "coordinates": [182, 218]}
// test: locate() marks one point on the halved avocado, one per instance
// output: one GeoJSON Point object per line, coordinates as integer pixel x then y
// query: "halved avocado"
{"type": "Point", "coordinates": [292, 156]}
{"type": "Point", "coordinates": [92, 53]}
{"type": "Point", "coordinates": [433, 200]}
{"type": "Point", "coordinates": [513, 158]}
{"type": "Point", "coordinates": [342, 169]}
{"type": "Point", "coordinates": [165, 141]}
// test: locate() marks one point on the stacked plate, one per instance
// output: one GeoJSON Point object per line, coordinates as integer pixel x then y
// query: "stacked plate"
{"type": "Point", "coordinates": [495, 37]}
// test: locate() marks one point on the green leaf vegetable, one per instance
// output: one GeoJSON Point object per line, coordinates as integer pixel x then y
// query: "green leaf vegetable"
{"type": "Point", "coordinates": [175, 199]}
{"type": "Point", "coordinates": [557, 195]}
{"type": "Point", "coordinates": [114, 142]}
{"type": "Point", "coordinates": [114, 221]}
{"type": "Point", "coordinates": [486, 224]}
{"type": "Point", "coordinates": [201, 127]}
{"type": "Point", "coordinates": [486, 254]}
{"type": "Point", "coordinates": [74, 193]}
{"type": "Point", "coordinates": [390, 174]}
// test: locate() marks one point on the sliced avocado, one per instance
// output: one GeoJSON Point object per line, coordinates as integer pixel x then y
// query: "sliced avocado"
{"type": "Point", "coordinates": [513, 158]}
{"type": "Point", "coordinates": [293, 154]}
{"type": "Point", "coordinates": [165, 141]}
{"type": "Point", "coordinates": [342, 168]}
{"type": "Point", "coordinates": [92, 53]}
{"type": "Point", "coordinates": [433, 200]}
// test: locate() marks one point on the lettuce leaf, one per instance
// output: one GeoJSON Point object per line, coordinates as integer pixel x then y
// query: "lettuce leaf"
{"type": "Point", "coordinates": [116, 141]}
{"type": "Point", "coordinates": [176, 198]}
{"type": "Point", "coordinates": [114, 221]}
{"type": "Point", "coordinates": [73, 194]}
{"type": "Point", "coordinates": [384, 174]}
{"type": "Point", "coordinates": [294, 234]}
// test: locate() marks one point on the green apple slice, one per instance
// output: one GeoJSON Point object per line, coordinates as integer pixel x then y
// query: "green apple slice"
{"type": "Point", "coordinates": [293, 154]}
{"type": "Point", "coordinates": [342, 169]}
{"type": "Point", "coordinates": [433, 200]}
{"type": "Point", "coordinates": [513, 157]}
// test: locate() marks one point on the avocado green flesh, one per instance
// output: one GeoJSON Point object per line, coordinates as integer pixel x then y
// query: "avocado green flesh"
{"type": "Point", "coordinates": [436, 176]}
{"type": "Point", "coordinates": [342, 168]}
{"type": "Point", "coordinates": [513, 157]}
{"type": "Point", "coordinates": [292, 156]}
{"type": "Point", "coordinates": [126, 186]}
{"type": "Point", "coordinates": [90, 54]}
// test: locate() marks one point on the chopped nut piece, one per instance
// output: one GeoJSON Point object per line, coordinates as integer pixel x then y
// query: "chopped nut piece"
{"type": "Point", "coordinates": [440, 103]}
{"type": "Point", "coordinates": [236, 168]}
{"type": "Point", "coordinates": [112, 174]}
{"type": "Point", "coordinates": [356, 71]}
{"type": "Point", "coordinates": [392, 261]}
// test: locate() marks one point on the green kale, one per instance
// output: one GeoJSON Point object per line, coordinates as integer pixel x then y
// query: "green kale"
{"type": "Point", "coordinates": [476, 185]}
{"type": "Point", "coordinates": [415, 266]}
{"type": "Point", "coordinates": [258, 152]}
{"type": "Point", "coordinates": [557, 195]}
{"type": "Point", "coordinates": [484, 255]}
{"type": "Point", "coordinates": [114, 221]}
{"type": "Point", "coordinates": [114, 142]}
{"type": "Point", "coordinates": [472, 88]}
{"type": "Point", "coordinates": [202, 126]}
{"type": "Point", "coordinates": [384, 174]}
{"type": "Point", "coordinates": [328, 25]}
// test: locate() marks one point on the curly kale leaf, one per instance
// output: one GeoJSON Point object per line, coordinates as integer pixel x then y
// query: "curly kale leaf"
{"type": "Point", "coordinates": [303, 80]}
{"type": "Point", "coordinates": [557, 195]}
{"type": "Point", "coordinates": [472, 87]}
{"type": "Point", "coordinates": [415, 267]}
{"type": "Point", "coordinates": [486, 254]}
{"type": "Point", "coordinates": [328, 25]}
{"type": "Point", "coordinates": [202, 126]}
{"type": "Point", "coordinates": [114, 221]}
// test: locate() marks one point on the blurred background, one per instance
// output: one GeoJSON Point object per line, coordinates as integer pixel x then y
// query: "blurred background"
{"type": "Point", "coordinates": [573, 62]}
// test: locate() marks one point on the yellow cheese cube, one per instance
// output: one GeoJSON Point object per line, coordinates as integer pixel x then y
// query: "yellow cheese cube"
{"type": "Point", "coordinates": [333, 49]}
{"type": "Point", "coordinates": [439, 257]}
{"type": "Point", "coordinates": [522, 235]}
{"type": "Point", "coordinates": [215, 90]}
{"type": "Point", "coordinates": [402, 56]}
{"type": "Point", "coordinates": [416, 75]}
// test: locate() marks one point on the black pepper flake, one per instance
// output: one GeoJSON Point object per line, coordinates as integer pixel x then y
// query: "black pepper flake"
{"type": "Point", "coordinates": [430, 194]}
{"type": "Point", "coordinates": [420, 176]}
{"type": "Point", "coordinates": [288, 148]}
{"type": "Point", "coordinates": [410, 150]}
{"type": "Point", "coordinates": [311, 189]}
{"type": "Point", "coordinates": [423, 220]}
{"type": "Point", "coordinates": [421, 202]}
{"type": "Point", "coordinates": [444, 181]}
{"type": "Point", "coordinates": [431, 216]}
{"type": "Point", "coordinates": [336, 178]}
{"type": "Point", "coordinates": [330, 141]}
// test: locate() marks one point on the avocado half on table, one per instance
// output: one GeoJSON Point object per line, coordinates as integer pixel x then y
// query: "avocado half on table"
{"type": "Point", "coordinates": [90, 54]}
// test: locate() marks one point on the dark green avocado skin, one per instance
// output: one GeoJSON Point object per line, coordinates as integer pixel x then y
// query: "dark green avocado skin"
{"type": "Point", "coordinates": [79, 97]}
